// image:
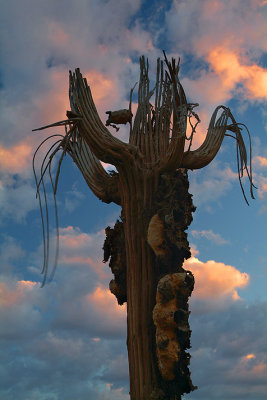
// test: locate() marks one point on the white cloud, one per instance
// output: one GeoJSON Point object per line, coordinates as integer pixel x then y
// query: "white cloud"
{"type": "Point", "coordinates": [210, 235]}
{"type": "Point", "coordinates": [17, 200]}
{"type": "Point", "coordinates": [211, 183]}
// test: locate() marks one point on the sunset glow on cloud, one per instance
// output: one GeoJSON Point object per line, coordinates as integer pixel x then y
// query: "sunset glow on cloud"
{"type": "Point", "coordinates": [215, 280]}
{"type": "Point", "coordinates": [227, 65]}
{"type": "Point", "coordinates": [105, 302]}
{"type": "Point", "coordinates": [262, 161]}
{"type": "Point", "coordinates": [16, 158]}
{"type": "Point", "coordinates": [102, 86]}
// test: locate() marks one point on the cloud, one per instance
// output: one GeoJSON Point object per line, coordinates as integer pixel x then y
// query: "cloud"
{"type": "Point", "coordinates": [10, 252]}
{"type": "Point", "coordinates": [226, 44]}
{"type": "Point", "coordinates": [16, 158]}
{"type": "Point", "coordinates": [83, 250]}
{"type": "Point", "coordinates": [238, 25]}
{"type": "Point", "coordinates": [211, 183]}
{"type": "Point", "coordinates": [210, 235]}
{"type": "Point", "coordinates": [227, 66]}
{"type": "Point", "coordinates": [262, 185]}
{"type": "Point", "coordinates": [262, 161]}
{"type": "Point", "coordinates": [34, 79]}
{"type": "Point", "coordinates": [62, 330]}
{"type": "Point", "coordinates": [232, 349]}
{"type": "Point", "coordinates": [75, 320]}
{"type": "Point", "coordinates": [216, 284]}
{"type": "Point", "coordinates": [16, 307]}
{"type": "Point", "coordinates": [17, 200]}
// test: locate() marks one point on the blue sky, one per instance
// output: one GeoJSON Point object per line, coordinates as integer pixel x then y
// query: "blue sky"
{"type": "Point", "coordinates": [68, 339]}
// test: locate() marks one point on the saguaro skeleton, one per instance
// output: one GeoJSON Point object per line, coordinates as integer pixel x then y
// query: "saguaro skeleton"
{"type": "Point", "coordinates": [148, 246]}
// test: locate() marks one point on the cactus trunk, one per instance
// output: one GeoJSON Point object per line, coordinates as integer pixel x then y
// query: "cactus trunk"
{"type": "Point", "coordinates": [155, 248]}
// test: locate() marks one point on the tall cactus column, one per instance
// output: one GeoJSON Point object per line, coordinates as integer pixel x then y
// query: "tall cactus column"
{"type": "Point", "coordinates": [157, 287]}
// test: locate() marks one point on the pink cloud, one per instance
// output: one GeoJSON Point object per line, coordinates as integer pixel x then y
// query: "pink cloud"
{"type": "Point", "coordinates": [81, 260]}
{"type": "Point", "coordinates": [228, 66]}
{"type": "Point", "coordinates": [15, 293]}
{"type": "Point", "coordinates": [8, 297]}
{"type": "Point", "coordinates": [104, 302]}
{"type": "Point", "coordinates": [102, 86]}
{"type": "Point", "coordinates": [73, 238]}
{"type": "Point", "coordinates": [216, 280]}
{"type": "Point", "coordinates": [79, 249]}
{"type": "Point", "coordinates": [231, 42]}
{"type": "Point", "coordinates": [28, 285]}
{"type": "Point", "coordinates": [250, 367]}
{"type": "Point", "coordinates": [51, 106]}
{"type": "Point", "coordinates": [57, 35]}
{"type": "Point", "coordinates": [262, 161]}
{"type": "Point", "coordinates": [16, 158]}
{"type": "Point", "coordinates": [262, 189]}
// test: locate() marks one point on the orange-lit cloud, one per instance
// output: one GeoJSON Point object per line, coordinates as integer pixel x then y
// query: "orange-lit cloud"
{"type": "Point", "coordinates": [73, 238]}
{"type": "Point", "coordinates": [261, 183]}
{"type": "Point", "coordinates": [52, 105]}
{"type": "Point", "coordinates": [210, 235]}
{"type": "Point", "coordinates": [262, 161]}
{"type": "Point", "coordinates": [216, 280]}
{"type": "Point", "coordinates": [249, 367]}
{"type": "Point", "coordinates": [14, 294]}
{"type": "Point", "coordinates": [81, 261]}
{"type": "Point", "coordinates": [57, 35]}
{"type": "Point", "coordinates": [101, 86]}
{"type": "Point", "coordinates": [228, 66]}
{"type": "Point", "coordinates": [83, 249]}
{"type": "Point", "coordinates": [249, 356]}
{"type": "Point", "coordinates": [15, 158]}
{"type": "Point", "coordinates": [27, 284]}
{"type": "Point", "coordinates": [105, 302]}
{"type": "Point", "coordinates": [8, 297]}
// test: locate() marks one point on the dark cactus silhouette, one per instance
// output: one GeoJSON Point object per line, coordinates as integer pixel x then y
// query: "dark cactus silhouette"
{"type": "Point", "coordinates": [148, 246]}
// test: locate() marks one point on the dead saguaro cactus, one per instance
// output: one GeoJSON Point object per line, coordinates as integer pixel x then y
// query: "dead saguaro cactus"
{"type": "Point", "coordinates": [147, 248]}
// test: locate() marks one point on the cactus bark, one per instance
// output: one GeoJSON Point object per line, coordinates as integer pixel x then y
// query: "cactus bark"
{"type": "Point", "coordinates": [154, 249]}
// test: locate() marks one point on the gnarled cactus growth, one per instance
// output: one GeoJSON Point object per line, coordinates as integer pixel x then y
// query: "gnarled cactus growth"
{"type": "Point", "coordinates": [148, 246]}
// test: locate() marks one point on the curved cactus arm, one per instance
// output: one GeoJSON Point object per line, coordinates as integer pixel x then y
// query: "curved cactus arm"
{"type": "Point", "coordinates": [105, 147]}
{"type": "Point", "coordinates": [103, 185]}
{"type": "Point", "coordinates": [207, 151]}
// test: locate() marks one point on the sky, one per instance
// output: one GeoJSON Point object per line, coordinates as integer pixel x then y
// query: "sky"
{"type": "Point", "coordinates": [67, 340]}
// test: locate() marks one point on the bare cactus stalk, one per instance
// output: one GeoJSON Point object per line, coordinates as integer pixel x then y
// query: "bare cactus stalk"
{"type": "Point", "coordinates": [147, 248]}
